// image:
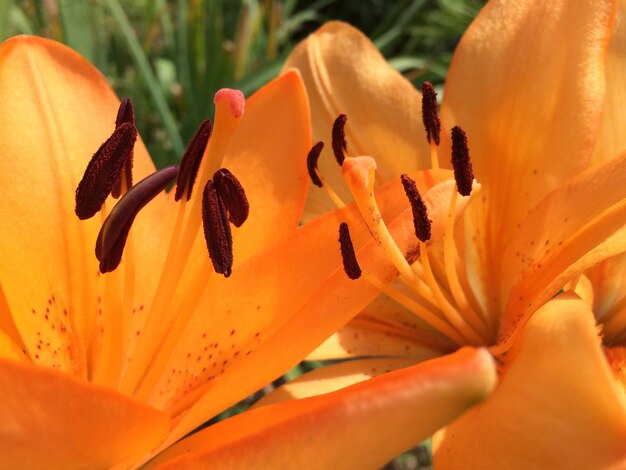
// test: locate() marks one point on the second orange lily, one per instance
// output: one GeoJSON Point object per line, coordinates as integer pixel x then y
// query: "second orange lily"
{"type": "Point", "coordinates": [535, 86]}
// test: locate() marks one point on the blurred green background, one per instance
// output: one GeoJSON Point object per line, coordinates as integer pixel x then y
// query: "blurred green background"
{"type": "Point", "coordinates": [170, 56]}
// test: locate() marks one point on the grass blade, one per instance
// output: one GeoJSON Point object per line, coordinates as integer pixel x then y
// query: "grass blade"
{"type": "Point", "coordinates": [77, 24]}
{"type": "Point", "coordinates": [141, 61]}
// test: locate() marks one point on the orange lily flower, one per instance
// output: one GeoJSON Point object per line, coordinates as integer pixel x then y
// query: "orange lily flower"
{"type": "Point", "coordinates": [536, 88]}
{"type": "Point", "coordinates": [109, 370]}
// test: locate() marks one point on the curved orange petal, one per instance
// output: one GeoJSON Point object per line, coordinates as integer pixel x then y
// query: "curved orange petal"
{"type": "Point", "coordinates": [51, 420]}
{"type": "Point", "coordinates": [247, 305]}
{"type": "Point", "coordinates": [604, 294]}
{"type": "Point", "coordinates": [345, 74]}
{"type": "Point", "coordinates": [362, 426]}
{"type": "Point", "coordinates": [531, 115]}
{"type": "Point", "coordinates": [611, 139]}
{"type": "Point", "coordinates": [609, 282]}
{"type": "Point", "coordinates": [271, 314]}
{"type": "Point", "coordinates": [55, 112]}
{"type": "Point", "coordinates": [555, 236]}
{"type": "Point", "coordinates": [556, 406]}
{"type": "Point", "coordinates": [9, 349]}
{"type": "Point", "coordinates": [384, 328]}
{"type": "Point", "coordinates": [7, 324]}
{"type": "Point", "coordinates": [367, 335]}
{"type": "Point", "coordinates": [333, 377]}
{"type": "Point", "coordinates": [268, 155]}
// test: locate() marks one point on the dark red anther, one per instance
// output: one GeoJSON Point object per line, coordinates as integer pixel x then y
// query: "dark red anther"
{"type": "Point", "coordinates": [430, 115]}
{"type": "Point", "coordinates": [125, 113]}
{"type": "Point", "coordinates": [421, 222]}
{"type": "Point", "coordinates": [104, 170]}
{"type": "Point", "coordinates": [350, 264]}
{"type": "Point", "coordinates": [114, 231]}
{"type": "Point", "coordinates": [190, 163]}
{"type": "Point", "coordinates": [463, 171]}
{"type": "Point", "coordinates": [311, 163]}
{"type": "Point", "coordinates": [340, 145]}
{"type": "Point", "coordinates": [217, 232]}
{"type": "Point", "coordinates": [232, 194]}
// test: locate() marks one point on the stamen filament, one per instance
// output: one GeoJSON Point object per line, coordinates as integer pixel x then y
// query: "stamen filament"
{"type": "Point", "coordinates": [163, 353]}
{"type": "Point", "coordinates": [442, 326]}
{"type": "Point", "coordinates": [229, 107]}
{"type": "Point", "coordinates": [450, 313]}
{"type": "Point", "coordinates": [108, 357]}
{"type": "Point", "coordinates": [434, 155]}
{"type": "Point", "coordinates": [359, 174]}
{"type": "Point", "coordinates": [163, 295]}
{"type": "Point", "coordinates": [383, 237]}
{"type": "Point", "coordinates": [331, 193]}
{"type": "Point", "coordinates": [129, 297]}
{"type": "Point", "coordinates": [450, 256]}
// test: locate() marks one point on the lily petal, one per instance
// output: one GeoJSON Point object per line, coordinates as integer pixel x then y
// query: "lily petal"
{"type": "Point", "coordinates": [384, 328]}
{"type": "Point", "coordinates": [51, 420]}
{"type": "Point", "coordinates": [340, 66]}
{"type": "Point", "coordinates": [268, 155]}
{"type": "Point", "coordinates": [9, 349]}
{"type": "Point", "coordinates": [557, 405]}
{"type": "Point", "coordinates": [310, 309]}
{"type": "Point", "coordinates": [56, 111]}
{"type": "Point", "coordinates": [249, 308]}
{"type": "Point", "coordinates": [543, 249]}
{"type": "Point", "coordinates": [333, 377]}
{"type": "Point", "coordinates": [609, 281]}
{"type": "Point", "coordinates": [551, 134]}
{"type": "Point", "coordinates": [369, 335]}
{"type": "Point", "coordinates": [362, 426]}
{"type": "Point", "coordinates": [7, 324]}
{"type": "Point", "coordinates": [611, 139]}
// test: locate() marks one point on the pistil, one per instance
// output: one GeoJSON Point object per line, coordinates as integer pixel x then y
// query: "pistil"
{"type": "Point", "coordinates": [359, 175]}
{"type": "Point", "coordinates": [223, 202]}
{"type": "Point", "coordinates": [229, 109]}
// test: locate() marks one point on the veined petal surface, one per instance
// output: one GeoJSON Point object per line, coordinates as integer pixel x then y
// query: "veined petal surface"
{"type": "Point", "coordinates": [611, 141]}
{"type": "Point", "coordinates": [340, 66]}
{"type": "Point", "coordinates": [56, 111]}
{"type": "Point", "coordinates": [52, 420]}
{"type": "Point", "coordinates": [532, 115]}
{"type": "Point", "coordinates": [362, 426]}
{"type": "Point", "coordinates": [557, 405]}
{"type": "Point", "coordinates": [268, 155]}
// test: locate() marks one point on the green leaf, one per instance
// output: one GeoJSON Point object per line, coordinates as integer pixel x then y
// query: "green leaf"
{"type": "Point", "coordinates": [77, 24]}
{"type": "Point", "coordinates": [141, 61]}
{"type": "Point", "coordinates": [5, 10]}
